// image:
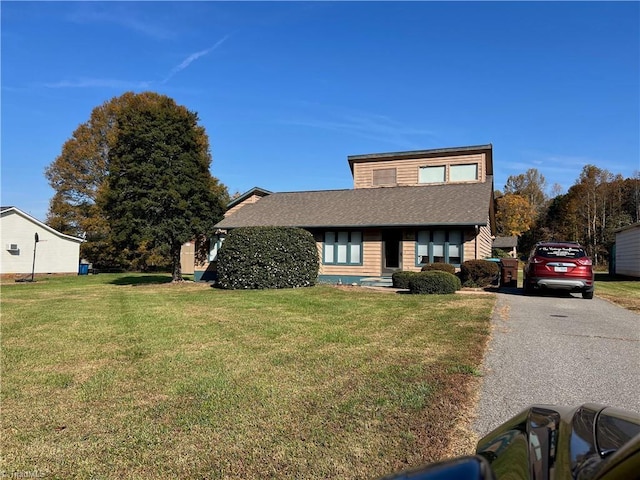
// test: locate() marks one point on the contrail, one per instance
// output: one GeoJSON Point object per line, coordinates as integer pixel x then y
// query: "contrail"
{"type": "Point", "coordinates": [193, 57]}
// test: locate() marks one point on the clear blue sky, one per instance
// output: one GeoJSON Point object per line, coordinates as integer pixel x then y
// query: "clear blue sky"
{"type": "Point", "coordinates": [286, 91]}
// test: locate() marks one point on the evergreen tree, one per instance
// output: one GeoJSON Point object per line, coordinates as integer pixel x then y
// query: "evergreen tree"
{"type": "Point", "coordinates": [159, 191]}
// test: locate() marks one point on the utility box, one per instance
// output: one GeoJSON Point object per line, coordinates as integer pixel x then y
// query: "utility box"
{"type": "Point", "coordinates": [508, 272]}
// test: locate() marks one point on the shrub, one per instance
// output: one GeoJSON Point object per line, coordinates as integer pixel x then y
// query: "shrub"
{"type": "Point", "coordinates": [268, 257]}
{"type": "Point", "coordinates": [401, 279]}
{"type": "Point", "coordinates": [499, 253]}
{"type": "Point", "coordinates": [434, 282]}
{"type": "Point", "coordinates": [478, 273]}
{"type": "Point", "coordinates": [442, 267]}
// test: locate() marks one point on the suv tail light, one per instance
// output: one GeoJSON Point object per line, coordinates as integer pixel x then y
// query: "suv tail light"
{"type": "Point", "coordinates": [584, 261]}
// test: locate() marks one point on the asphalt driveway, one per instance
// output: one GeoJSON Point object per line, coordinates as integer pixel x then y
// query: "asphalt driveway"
{"type": "Point", "coordinates": [558, 349]}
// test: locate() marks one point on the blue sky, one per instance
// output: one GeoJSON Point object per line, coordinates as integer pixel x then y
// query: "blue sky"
{"type": "Point", "coordinates": [287, 90]}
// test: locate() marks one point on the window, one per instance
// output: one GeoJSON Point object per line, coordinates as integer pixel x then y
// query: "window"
{"type": "Point", "coordinates": [214, 247]}
{"type": "Point", "coordinates": [343, 248]}
{"type": "Point", "coordinates": [463, 173]}
{"type": "Point", "coordinates": [439, 246]}
{"type": "Point", "coordinates": [384, 176]}
{"type": "Point", "coordinates": [432, 174]}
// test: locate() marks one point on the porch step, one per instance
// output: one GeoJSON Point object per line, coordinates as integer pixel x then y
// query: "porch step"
{"type": "Point", "coordinates": [376, 282]}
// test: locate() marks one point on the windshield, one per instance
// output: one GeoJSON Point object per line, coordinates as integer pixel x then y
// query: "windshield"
{"type": "Point", "coordinates": [560, 252]}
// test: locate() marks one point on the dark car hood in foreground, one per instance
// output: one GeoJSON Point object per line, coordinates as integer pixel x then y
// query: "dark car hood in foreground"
{"type": "Point", "coordinates": [591, 442]}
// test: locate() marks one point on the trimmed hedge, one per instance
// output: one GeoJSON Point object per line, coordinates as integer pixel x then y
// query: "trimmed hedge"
{"type": "Point", "coordinates": [401, 279]}
{"type": "Point", "coordinates": [478, 273]}
{"type": "Point", "coordinates": [442, 267]}
{"type": "Point", "coordinates": [268, 257]}
{"type": "Point", "coordinates": [434, 282]}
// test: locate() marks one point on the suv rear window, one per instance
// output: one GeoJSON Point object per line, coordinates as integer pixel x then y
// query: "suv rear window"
{"type": "Point", "coordinates": [548, 251]}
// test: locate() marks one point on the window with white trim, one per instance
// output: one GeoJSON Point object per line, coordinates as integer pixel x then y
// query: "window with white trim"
{"type": "Point", "coordinates": [463, 173]}
{"type": "Point", "coordinates": [439, 246]}
{"type": "Point", "coordinates": [342, 248]}
{"type": "Point", "coordinates": [434, 174]}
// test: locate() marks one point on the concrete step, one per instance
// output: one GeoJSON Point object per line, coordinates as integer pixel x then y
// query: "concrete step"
{"type": "Point", "coordinates": [376, 282]}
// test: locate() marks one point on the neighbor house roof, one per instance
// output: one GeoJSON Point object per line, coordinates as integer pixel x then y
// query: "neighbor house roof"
{"type": "Point", "coordinates": [505, 242]}
{"type": "Point", "coordinates": [452, 204]}
{"type": "Point", "coordinates": [8, 210]}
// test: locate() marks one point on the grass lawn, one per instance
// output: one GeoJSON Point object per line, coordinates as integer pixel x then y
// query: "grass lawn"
{"type": "Point", "coordinates": [127, 376]}
{"type": "Point", "coordinates": [625, 293]}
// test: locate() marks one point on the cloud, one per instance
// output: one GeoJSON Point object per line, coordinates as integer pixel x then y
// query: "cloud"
{"type": "Point", "coordinates": [369, 126]}
{"type": "Point", "coordinates": [99, 83]}
{"type": "Point", "coordinates": [192, 58]}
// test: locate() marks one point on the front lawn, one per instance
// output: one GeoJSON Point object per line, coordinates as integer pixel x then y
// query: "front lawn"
{"type": "Point", "coordinates": [125, 376]}
{"type": "Point", "coordinates": [625, 293]}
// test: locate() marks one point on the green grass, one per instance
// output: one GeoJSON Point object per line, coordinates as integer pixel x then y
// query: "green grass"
{"type": "Point", "coordinates": [126, 376]}
{"type": "Point", "coordinates": [625, 293]}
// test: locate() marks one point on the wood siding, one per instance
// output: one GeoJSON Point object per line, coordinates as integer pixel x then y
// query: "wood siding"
{"type": "Point", "coordinates": [248, 201]}
{"type": "Point", "coordinates": [407, 170]}
{"type": "Point", "coordinates": [371, 256]}
{"type": "Point", "coordinates": [628, 251]}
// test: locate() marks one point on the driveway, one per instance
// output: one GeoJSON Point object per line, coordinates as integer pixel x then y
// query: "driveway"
{"type": "Point", "coordinates": [558, 349]}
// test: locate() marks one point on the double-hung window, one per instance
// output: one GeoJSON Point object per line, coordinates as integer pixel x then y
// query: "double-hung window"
{"type": "Point", "coordinates": [439, 246]}
{"type": "Point", "coordinates": [342, 248]}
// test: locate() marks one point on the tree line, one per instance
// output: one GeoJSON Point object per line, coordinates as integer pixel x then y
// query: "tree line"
{"type": "Point", "coordinates": [598, 204]}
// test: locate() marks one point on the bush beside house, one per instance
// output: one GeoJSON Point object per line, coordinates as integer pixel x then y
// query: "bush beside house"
{"type": "Point", "coordinates": [268, 257]}
{"type": "Point", "coordinates": [478, 273]}
{"type": "Point", "coordinates": [434, 282]}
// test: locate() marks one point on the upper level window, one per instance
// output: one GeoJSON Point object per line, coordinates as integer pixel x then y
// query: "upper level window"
{"type": "Point", "coordinates": [384, 176]}
{"type": "Point", "coordinates": [342, 248]}
{"type": "Point", "coordinates": [435, 174]}
{"type": "Point", "coordinates": [463, 173]}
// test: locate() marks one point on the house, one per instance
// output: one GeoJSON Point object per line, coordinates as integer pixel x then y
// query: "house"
{"type": "Point", "coordinates": [54, 252]}
{"type": "Point", "coordinates": [507, 244]}
{"type": "Point", "coordinates": [627, 251]}
{"type": "Point", "coordinates": [406, 209]}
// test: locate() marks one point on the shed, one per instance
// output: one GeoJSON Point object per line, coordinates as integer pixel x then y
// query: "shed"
{"type": "Point", "coordinates": [627, 251]}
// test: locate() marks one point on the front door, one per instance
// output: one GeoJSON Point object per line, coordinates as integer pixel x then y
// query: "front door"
{"type": "Point", "coordinates": [391, 251]}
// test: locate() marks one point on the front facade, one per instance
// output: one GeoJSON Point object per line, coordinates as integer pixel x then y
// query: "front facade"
{"type": "Point", "coordinates": [55, 252]}
{"type": "Point", "coordinates": [406, 209]}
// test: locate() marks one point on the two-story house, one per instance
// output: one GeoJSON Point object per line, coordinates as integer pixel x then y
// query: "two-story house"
{"type": "Point", "coordinates": [406, 209]}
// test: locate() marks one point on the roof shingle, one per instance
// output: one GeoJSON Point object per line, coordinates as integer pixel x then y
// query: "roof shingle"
{"type": "Point", "coordinates": [452, 204]}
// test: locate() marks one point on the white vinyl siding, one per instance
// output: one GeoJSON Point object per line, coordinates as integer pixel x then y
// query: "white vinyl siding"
{"type": "Point", "coordinates": [342, 248]}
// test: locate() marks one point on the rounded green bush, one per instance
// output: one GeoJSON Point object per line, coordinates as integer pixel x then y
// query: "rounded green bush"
{"type": "Point", "coordinates": [478, 273]}
{"type": "Point", "coordinates": [434, 282]}
{"type": "Point", "coordinates": [268, 257]}
{"type": "Point", "coordinates": [401, 279]}
{"type": "Point", "coordinates": [442, 267]}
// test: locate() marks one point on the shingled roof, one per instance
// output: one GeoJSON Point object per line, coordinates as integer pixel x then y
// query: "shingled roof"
{"type": "Point", "coordinates": [426, 205]}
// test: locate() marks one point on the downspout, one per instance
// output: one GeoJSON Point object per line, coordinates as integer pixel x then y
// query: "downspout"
{"type": "Point", "coordinates": [475, 240]}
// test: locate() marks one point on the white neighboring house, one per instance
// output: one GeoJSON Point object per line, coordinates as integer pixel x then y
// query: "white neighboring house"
{"type": "Point", "coordinates": [55, 252]}
{"type": "Point", "coordinates": [627, 259]}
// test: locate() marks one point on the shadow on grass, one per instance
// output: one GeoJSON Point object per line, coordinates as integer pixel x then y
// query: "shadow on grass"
{"type": "Point", "coordinates": [142, 280]}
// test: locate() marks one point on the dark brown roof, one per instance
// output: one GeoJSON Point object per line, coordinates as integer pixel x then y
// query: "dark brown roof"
{"type": "Point", "coordinates": [505, 242]}
{"type": "Point", "coordinates": [454, 204]}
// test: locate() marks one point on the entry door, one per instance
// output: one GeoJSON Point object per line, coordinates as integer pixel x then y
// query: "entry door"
{"type": "Point", "coordinates": [391, 251]}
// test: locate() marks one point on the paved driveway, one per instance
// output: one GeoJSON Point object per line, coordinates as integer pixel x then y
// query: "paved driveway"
{"type": "Point", "coordinates": [558, 349]}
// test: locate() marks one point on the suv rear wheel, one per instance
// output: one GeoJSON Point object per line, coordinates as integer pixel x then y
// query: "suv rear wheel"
{"type": "Point", "coordinates": [587, 295]}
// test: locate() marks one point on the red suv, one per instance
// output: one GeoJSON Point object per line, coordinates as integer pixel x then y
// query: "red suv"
{"type": "Point", "coordinates": [559, 266]}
